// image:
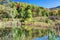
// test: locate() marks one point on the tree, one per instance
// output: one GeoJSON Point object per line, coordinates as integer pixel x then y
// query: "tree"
{"type": "Point", "coordinates": [54, 12]}
{"type": "Point", "coordinates": [4, 12]}
{"type": "Point", "coordinates": [58, 12]}
{"type": "Point", "coordinates": [7, 12]}
{"type": "Point", "coordinates": [50, 13]}
{"type": "Point", "coordinates": [5, 2]}
{"type": "Point", "coordinates": [33, 10]}
{"type": "Point", "coordinates": [28, 14]}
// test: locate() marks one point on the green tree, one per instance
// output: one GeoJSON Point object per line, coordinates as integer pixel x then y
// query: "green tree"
{"type": "Point", "coordinates": [7, 12]}
{"type": "Point", "coordinates": [28, 15]}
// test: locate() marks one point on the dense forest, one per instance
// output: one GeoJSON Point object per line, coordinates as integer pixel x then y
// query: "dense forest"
{"type": "Point", "coordinates": [18, 10]}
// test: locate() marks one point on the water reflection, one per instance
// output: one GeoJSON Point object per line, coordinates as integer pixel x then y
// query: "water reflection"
{"type": "Point", "coordinates": [45, 38]}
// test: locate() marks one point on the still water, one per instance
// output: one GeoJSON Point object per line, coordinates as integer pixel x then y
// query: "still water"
{"type": "Point", "coordinates": [45, 38]}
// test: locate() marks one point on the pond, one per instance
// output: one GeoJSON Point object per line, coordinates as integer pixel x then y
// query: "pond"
{"type": "Point", "coordinates": [45, 38]}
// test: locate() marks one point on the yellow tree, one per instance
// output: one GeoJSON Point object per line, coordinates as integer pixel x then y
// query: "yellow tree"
{"type": "Point", "coordinates": [54, 12]}
{"type": "Point", "coordinates": [58, 12]}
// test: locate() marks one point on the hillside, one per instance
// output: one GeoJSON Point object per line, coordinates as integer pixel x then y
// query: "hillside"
{"type": "Point", "coordinates": [19, 8]}
{"type": "Point", "coordinates": [32, 13]}
{"type": "Point", "coordinates": [22, 21]}
{"type": "Point", "coordinates": [58, 7]}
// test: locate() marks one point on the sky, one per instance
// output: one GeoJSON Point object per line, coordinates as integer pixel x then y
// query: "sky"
{"type": "Point", "coordinates": [42, 3]}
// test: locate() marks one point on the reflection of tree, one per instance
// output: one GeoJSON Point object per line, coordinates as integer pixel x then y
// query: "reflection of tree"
{"type": "Point", "coordinates": [51, 32]}
{"type": "Point", "coordinates": [58, 28]}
